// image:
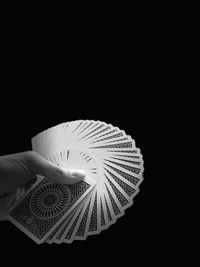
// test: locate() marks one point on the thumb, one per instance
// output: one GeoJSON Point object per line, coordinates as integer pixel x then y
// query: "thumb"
{"type": "Point", "coordinates": [57, 173]}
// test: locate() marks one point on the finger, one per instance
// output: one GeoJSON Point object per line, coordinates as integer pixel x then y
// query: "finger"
{"type": "Point", "coordinates": [59, 174]}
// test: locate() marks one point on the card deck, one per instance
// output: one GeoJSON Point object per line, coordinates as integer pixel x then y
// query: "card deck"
{"type": "Point", "coordinates": [114, 170]}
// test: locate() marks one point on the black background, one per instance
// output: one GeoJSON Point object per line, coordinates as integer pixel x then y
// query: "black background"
{"type": "Point", "coordinates": [139, 75]}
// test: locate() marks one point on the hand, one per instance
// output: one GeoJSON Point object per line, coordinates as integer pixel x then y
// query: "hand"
{"type": "Point", "coordinates": [16, 170]}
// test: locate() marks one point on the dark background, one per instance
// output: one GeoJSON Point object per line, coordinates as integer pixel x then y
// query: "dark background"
{"type": "Point", "coordinates": [137, 74]}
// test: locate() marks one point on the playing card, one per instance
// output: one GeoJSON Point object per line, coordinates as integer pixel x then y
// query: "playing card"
{"type": "Point", "coordinates": [60, 235]}
{"type": "Point", "coordinates": [92, 219]}
{"type": "Point", "coordinates": [80, 229]}
{"type": "Point", "coordinates": [127, 189]}
{"type": "Point", "coordinates": [52, 237]}
{"type": "Point", "coordinates": [92, 226]}
{"type": "Point", "coordinates": [44, 207]}
{"type": "Point", "coordinates": [65, 235]}
{"type": "Point", "coordinates": [68, 236]}
{"type": "Point", "coordinates": [77, 158]}
{"type": "Point", "coordinates": [59, 238]}
{"type": "Point", "coordinates": [56, 235]}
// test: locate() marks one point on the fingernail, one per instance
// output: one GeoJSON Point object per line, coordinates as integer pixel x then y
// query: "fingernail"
{"type": "Point", "coordinates": [78, 173]}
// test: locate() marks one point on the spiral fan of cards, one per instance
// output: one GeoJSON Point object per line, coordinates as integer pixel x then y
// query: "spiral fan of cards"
{"type": "Point", "coordinates": [55, 213]}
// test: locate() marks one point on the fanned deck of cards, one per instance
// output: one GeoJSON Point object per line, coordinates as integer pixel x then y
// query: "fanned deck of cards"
{"type": "Point", "coordinates": [55, 213]}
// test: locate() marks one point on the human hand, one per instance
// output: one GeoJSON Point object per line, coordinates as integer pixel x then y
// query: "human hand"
{"type": "Point", "coordinates": [16, 170]}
